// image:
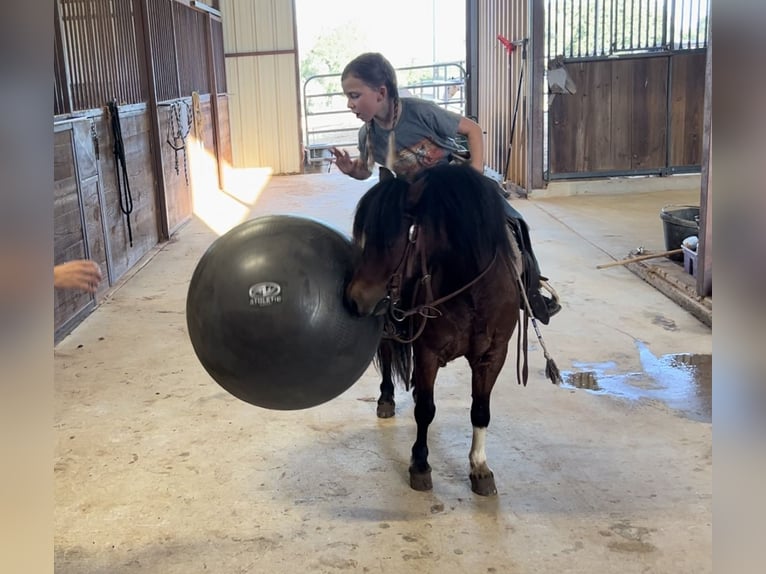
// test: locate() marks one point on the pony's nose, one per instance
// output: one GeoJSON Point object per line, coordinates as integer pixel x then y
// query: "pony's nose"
{"type": "Point", "coordinates": [352, 306]}
{"type": "Point", "coordinates": [351, 302]}
{"type": "Point", "coordinates": [358, 302]}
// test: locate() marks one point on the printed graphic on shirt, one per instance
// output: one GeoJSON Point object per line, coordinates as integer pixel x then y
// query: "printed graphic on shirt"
{"type": "Point", "coordinates": [410, 160]}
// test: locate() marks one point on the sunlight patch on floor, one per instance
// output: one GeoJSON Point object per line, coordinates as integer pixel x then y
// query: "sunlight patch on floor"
{"type": "Point", "coordinates": [222, 209]}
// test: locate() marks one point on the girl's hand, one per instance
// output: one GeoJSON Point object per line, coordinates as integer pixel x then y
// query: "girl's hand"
{"type": "Point", "coordinates": [342, 160]}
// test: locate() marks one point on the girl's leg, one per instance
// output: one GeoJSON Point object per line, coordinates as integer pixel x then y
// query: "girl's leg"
{"type": "Point", "coordinates": [543, 308]}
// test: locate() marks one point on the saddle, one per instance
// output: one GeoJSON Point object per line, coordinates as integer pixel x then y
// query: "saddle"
{"type": "Point", "coordinates": [543, 308]}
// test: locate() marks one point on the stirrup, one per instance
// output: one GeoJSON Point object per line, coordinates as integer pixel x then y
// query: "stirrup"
{"type": "Point", "coordinates": [542, 307]}
{"type": "Point", "coordinates": [552, 304]}
{"type": "Point", "coordinates": [547, 286]}
{"type": "Point", "coordinates": [539, 305]}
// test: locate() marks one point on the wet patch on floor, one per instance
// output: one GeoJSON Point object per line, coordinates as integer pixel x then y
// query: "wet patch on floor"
{"type": "Point", "coordinates": [629, 538]}
{"type": "Point", "coordinates": [681, 381]}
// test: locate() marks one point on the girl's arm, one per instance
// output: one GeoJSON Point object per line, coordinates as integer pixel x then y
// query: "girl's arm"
{"type": "Point", "coordinates": [472, 131]}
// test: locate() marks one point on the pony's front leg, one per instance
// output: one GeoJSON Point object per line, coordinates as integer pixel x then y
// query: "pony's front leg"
{"type": "Point", "coordinates": [386, 404]}
{"type": "Point", "coordinates": [423, 378]}
{"type": "Point", "coordinates": [484, 375]}
{"type": "Point", "coordinates": [482, 478]}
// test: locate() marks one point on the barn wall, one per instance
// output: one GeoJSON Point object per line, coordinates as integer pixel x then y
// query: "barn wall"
{"type": "Point", "coordinates": [499, 74]}
{"type": "Point", "coordinates": [150, 57]}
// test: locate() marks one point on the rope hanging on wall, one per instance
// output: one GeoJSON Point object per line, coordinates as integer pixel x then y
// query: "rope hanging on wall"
{"type": "Point", "coordinates": [120, 170]}
{"type": "Point", "coordinates": [177, 132]}
{"type": "Point", "coordinates": [198, 120]}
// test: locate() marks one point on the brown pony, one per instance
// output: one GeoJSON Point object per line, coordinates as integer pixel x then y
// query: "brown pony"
{"type": "Point", "coordinates": [437, 261]}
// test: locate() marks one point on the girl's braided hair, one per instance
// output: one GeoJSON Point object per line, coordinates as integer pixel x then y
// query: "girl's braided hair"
{"type": "Point", "coordinates": [375, 70]}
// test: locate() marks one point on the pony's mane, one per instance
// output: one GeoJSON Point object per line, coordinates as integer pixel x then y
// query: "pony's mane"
{"type": "Point", "coordinates": [457, 204]}
{"type": "Point", "coordinates": [379, 213]}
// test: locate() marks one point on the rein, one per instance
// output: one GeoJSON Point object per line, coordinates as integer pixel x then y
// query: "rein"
{"type": "Point", "coordinates": [428, 309]}
{"type": "Point", "coordinates": [120, 169]}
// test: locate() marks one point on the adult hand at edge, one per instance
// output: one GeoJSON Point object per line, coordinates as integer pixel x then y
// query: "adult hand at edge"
{"type": "Point", "coordinates": [82, 274]}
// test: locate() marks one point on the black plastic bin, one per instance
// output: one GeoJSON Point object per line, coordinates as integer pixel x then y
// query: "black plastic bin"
{"type": "Point", "coordinates": [679, 222]}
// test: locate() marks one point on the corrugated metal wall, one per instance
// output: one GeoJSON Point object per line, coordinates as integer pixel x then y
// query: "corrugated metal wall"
{"type": "Point", "coordinates": [262, 74]}
{"type": "Point", "coordinates": [498, 81]}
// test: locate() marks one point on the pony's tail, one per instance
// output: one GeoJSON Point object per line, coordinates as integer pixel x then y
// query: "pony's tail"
{"type": "Point", "coordinates": [396, 358]}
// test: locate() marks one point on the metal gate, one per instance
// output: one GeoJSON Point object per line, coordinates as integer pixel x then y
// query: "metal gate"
{"type": "Point", "coordinates": [625, 87]}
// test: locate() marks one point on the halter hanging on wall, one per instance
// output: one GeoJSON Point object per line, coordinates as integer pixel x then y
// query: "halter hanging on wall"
{"type": "Point", "coordinates": [177, 132]}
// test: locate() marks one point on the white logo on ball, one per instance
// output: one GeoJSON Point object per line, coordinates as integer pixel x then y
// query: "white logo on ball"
{"type": "Point", "coordinates": [268, 293]}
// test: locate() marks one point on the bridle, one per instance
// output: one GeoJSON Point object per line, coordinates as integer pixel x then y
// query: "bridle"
{"type": "Point", "coordinates": [428, 309]}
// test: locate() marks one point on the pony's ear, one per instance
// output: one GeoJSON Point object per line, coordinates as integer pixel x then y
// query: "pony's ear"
{"type": "Point", "coordinates": [415, 192]}
{"type": "Point", "coordinates": [385, 174]}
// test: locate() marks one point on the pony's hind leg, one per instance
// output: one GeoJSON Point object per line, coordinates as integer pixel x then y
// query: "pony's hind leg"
{"type": "Point", "coordinates": [386, 404]}
{"type": "Point", "coordinates": [423, 393]}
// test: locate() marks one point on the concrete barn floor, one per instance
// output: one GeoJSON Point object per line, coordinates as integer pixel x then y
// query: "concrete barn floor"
{"type": "Point", "coordinates": [158, 469]}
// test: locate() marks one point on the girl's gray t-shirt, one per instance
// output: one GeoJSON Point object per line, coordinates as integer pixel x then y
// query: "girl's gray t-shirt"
{"type": "Point", "coordinates": [425, 136]}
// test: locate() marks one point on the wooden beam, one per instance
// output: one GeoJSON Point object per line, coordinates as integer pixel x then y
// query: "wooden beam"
{"type": "Point", "coordinates": [705, 247]}
{"type": "Point", "coordinates": [640, 258]}
{"type": "Point", "coordinates": [146, 63]}
{"type": "Point", "coordinates": [297, 72]}
{"type": "Point", "coordinates": [472, 59]}
{"type": "Point", "coordinates": [175, 50]}
{"type": "Point", "coordinates": [62, 56]}
{"type": "Point", "coordinates": [213, 89]}
{"type": "Point", "coordinates": [536, 70]}
{"type": "Point", "coordinates": [260, 53]}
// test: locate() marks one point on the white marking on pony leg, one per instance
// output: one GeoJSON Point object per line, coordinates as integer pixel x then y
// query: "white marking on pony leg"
{"type": "Point", "coordinates": [478, 456]}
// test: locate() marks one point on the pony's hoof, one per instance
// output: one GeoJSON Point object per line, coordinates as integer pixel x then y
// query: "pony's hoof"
{"type": "Point", "coordinates": [484, 485]}
{"type": "Point", "coordinates": [386, 409]}
{"type": "Point", "coordinates": [421, 481]}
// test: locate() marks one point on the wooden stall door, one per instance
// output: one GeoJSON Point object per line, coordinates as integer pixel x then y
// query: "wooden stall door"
{"type": "Point", "coordinates": [629, 116]}
{"type": "Point", "coordinates": [78, 218]}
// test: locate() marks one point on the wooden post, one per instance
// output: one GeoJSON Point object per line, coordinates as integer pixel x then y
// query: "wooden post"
{"type": "Point", "coordinates": [175, 48]}
{"type": "Point", "coordinates": [472, 59]}
{"type": "Point", "coordinates": [297, 72]}
{"type": "Point", "coordinates": [62, 56]}
{"type": "Point", "coordinates": [536, 71]}
{"type": "Point", "coordinates": [213, 89]}
{"type": "Point", "coordinates": [143, 43]}
{"type": "Point", "coordinates": [705, 247]}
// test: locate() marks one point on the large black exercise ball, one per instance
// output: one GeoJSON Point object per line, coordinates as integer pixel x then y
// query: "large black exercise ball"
{"type": "Point", "coordinates": [266, 315]}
